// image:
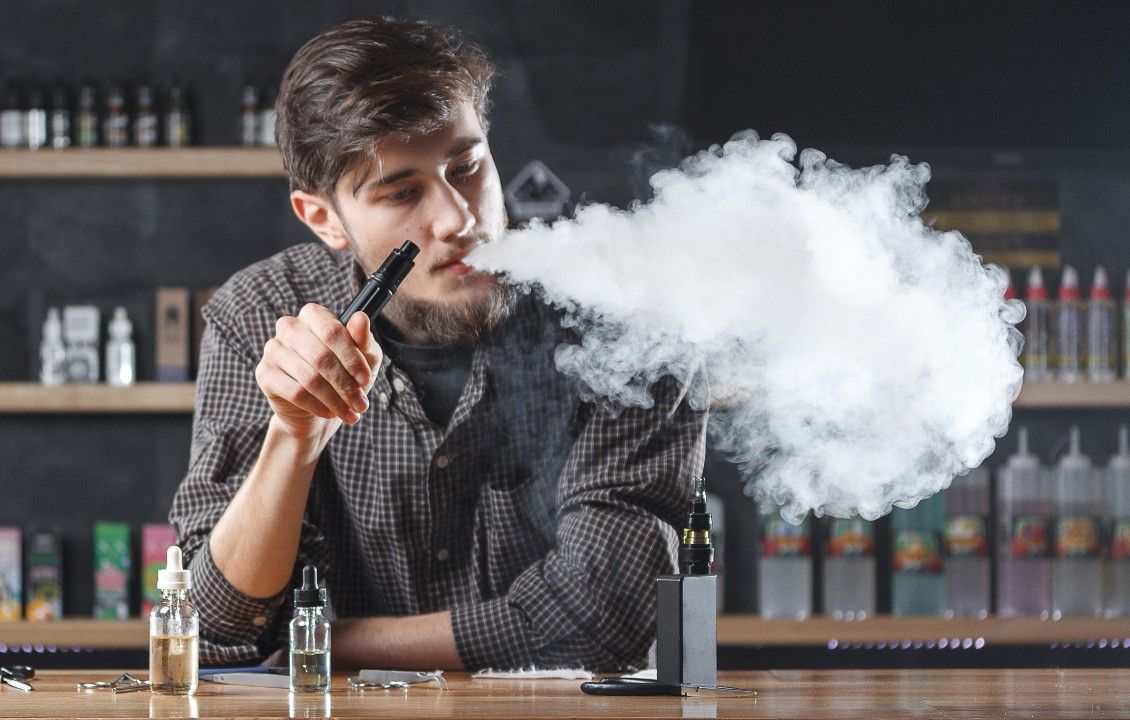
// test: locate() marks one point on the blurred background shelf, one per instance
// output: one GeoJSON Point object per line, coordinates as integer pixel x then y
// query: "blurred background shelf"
{"type": "Point", "coordinates": [1075, 395]}
{"type": "Point", "coordinates": [191, 162]}
{"type": "Point", "coordinates": [146, 397]}
{"type": "Point", "coordinates": [754, 630]}
{"type": "Point", "coordinates": [733, 630]}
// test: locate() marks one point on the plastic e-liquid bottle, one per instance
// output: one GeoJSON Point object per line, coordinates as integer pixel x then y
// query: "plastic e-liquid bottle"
{"type": "Point", "coordinates": [145, 119]}
{"type": "Point", "coordinates": [115, 123]}
{"type": "Point", "coordinates": [309, 637]}
{"type": "Point", "coordinates": [249, 118]}
{"type": "Point", "coordinates": [849, 569]}
{"type": "Point", "coordinates": [52, 352]}
{"type": "Point", "coordinates": [174, 632]}
{"type": "Point", "coordinates": [178, 119]}
{"type": "Point", "coordinates": [785, 567]}
{"type": "Point", "coordinates": [121, 362]}
{"type": "Point", "coordinates": [1101, 341]}
{"type": "Point", "coordinates": [967, 545]}
{"type": "Point", "coordinates": [918, 577]}
{"type": "Point", "coordinates": [1069, 329]}
{"type": "Point", "coordinates": [1037, 330]}
{"type": "Point", "coordinates": [1077, 568]}
{"type": "Point", "coordinates": [1117, 598]}
{"type": "Point", "coordinates": [36, 118]}
{"type": "Point", "coordinates": [60, 119]}
{"type": "Point", "coordinates": [1024, 509]}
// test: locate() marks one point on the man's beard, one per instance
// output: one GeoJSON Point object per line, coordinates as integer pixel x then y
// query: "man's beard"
{"type": "Point", "coordinates": [462, 322]}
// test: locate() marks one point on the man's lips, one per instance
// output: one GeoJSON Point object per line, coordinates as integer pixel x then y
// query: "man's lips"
{"type": "Point", "coordinates": [456, 264]}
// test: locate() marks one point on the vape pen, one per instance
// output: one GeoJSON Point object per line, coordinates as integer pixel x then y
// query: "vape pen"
{"type": "Point", "coordinates": [381, 285]}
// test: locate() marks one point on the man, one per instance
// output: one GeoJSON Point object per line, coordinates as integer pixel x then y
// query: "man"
{"type": "Point", "coordinates": [465, 506]}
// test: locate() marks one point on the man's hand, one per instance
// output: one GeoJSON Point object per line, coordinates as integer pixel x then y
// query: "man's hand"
{"type": "Point", "coordinates": [316, 372]}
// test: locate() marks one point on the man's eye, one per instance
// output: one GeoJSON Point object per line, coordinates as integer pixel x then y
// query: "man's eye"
{"type": "Point", "coordinates": [467, 168]}
{"type": "Point", "coordinates": [401, 195]}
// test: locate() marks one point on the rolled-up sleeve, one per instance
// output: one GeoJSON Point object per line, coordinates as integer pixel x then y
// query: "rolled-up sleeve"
{"type": "Point", "coordinates": [590, 601]}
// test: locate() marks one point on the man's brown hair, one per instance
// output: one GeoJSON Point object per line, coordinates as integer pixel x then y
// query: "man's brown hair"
{"type": "Point", "coordinates": [362, 80]}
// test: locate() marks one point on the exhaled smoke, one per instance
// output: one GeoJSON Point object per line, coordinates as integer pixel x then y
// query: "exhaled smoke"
{"type": "Point", "coordinates": [856, 359]}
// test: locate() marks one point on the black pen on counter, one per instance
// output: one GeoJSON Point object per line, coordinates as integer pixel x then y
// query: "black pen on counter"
{"type": "Point", "coordinates": [381, 285]}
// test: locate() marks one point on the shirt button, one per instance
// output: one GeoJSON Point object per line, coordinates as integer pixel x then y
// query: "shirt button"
{"type": "Point", "coordinates": [442, 555]}
{"type": "Point", "coordinates": [441, 462]}
{"type": "Point", "coordinates": [398, 385]}
{"type": "Point", "coordinates": [259, 621]}
{"type": "Point", "coordinates": [383, 399]}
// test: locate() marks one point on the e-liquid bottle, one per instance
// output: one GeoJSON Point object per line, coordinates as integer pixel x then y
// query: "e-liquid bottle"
{"type": "Point", "coordinates": [1116, 602]}
{"type": "Point", "coordinates": [12, 119]}
{"type": "Point", "coordinates": [178, 119]}
{"type": "Point", "coordinates": [121, 360]}
{"type": "Point", "coordinates": [86, 122]}
{"type": "Point", "coordinates": [1070, 357]}
{"type": "Point", "coordinates": [1024, 510]}
{"type": "Point", "coordinates": [36, 117]}
{"type": "Point", "coordinates": [918, 583]}
{"type": "Point", "coordinates": [174, 632]}
{"type": "Point", "coordinates": [52, 353]}
{"type": "Point", "coordinates": [60, 119]}
{"type": "Point", "coordinates": [1077, 572]}
{"type": "Point", "coordinates": [1037, 330]}
{"type": "Point", "coordinates": [249, 119]}
{"type": "Point", "coordinates": [115, 123]}
{"type": "Point", "coordinates": [309, 637]}
{"type": "Point", "coordinates": [968, 582]}
{"type": "Point", "coordinates": [145, 119]}
{"type": "Point", "coordinates": [849, 569]}
{"type": "Point", "coordinates": [785, 566]}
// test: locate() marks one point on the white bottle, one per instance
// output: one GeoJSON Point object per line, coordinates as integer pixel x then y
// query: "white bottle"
{"type": "Point", "coordinates": [967, 545]}
{"type": "Point", "coordinates": [1037, 330]}
{"type": "Point", "coordinates": [849, 569]}
{"type": "Point", "coordinates": [1024, 508]}
{"type": "Point", "coordinates": [1117, 596]}
{"type": "Point", "coordinates": [174, 632]}
{"type": "Point", "coordinates": [52, 353]}
{"type": "Point", "coordinates": [785, 567]}
{"type": "Point", "coordinates": [1077, 572]}
{"type": "Point", "coordinates": [1069, 329]}
{"type": "Point", "coordinates": [121, 361]}
{"type": "Point", "coordinates": [1101, 340]}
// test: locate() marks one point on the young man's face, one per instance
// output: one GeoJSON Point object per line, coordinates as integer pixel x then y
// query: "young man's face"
{"type": "Point", "coordinates": [441, 191]}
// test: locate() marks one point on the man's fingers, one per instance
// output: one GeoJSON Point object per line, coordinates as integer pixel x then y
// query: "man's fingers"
{"type": "Point", "coordinates": [298, 367]}
{"type": "Point", "coordinates": [327, 346]}
{"type": "Point", "coordinates": [281, 385]}
{"type": "Point", "coordinates": [359, 331]}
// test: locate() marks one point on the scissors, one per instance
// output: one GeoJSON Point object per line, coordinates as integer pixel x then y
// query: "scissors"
{"type": "Point", "coordinates": [15, 675]}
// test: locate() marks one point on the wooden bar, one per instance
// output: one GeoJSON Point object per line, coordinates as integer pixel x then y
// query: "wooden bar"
{"type": "Point", "coordinates": [1074, 395]}
{"type": "Point", "coordinates": [192, 162]}
{"type": "Point", "coordinates": [818, 695]}
{"type": "Point", "coordinates": [132, 634]}
{"type": "Point", "coordinates": [145, 397]}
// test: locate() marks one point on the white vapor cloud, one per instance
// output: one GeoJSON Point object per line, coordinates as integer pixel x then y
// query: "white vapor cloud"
{"type": "Point", "coordinates": [856, 358]}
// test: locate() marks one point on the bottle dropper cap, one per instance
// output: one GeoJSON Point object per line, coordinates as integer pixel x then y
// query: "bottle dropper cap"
{"type": "Point", "coordinates": [1023, 459]}
{"type": "Point", "coordinates": [1100, 286]}
{"type": "Point", "coordinates": [1121, 461]}
{"type": "Point", "coordinates": [1069, 287]}
{"type": "Point", "coordinates": [174, 576]}
{"type": "Point", "coordinates": [1074, 459]}
{"type": "Point", "coordinates": [309, 595]}
{"type": "Point", "coordinates": [1036, 288]}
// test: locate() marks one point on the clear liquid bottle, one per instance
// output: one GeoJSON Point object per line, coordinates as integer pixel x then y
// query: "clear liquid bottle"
{"type": "Point", "coordinates": [121, 362]}
{"type": "Point", "coordinates": [60, 119]}
{"type": "Point", "coordinates": [849, 569]}
{"type": "Point", "coordinates": [1101, 340]}
{"type": "Point", "coordinates": [52, 352]}
{"type": "Point", "coordinates": [1037, 330]}
{"type": "Point", "coordinates": [918, 573]}
{"type": "Point", "coordinates": [145, 119]}
{"type": "Point", "coordinates": [1069, 329]}
{"type": "Point", "coordinates": [36, 118]}
{"type": "Point", "coordinates": [178, 119]}
{"type": "Point", "coordinates": [967, 545]}
{"type": "Point", "coordinates": [1077, 568]}
{"type": "Point", "coordinates": [174, 632]}
{"type": "Point", "coordinates": [249, 118]}
{"type": "Point", "coordinates": [1116, 602]}
{"type": "Point", "coordinates": [309, 637]}
{"type": "Point", "coordinates": [1024, 509]}
{"type": "Point", "coordinates": [86, 120]}
{"type": "Point", "coordinates": [784, 567]}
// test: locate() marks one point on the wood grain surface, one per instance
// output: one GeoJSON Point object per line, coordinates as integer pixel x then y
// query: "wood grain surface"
{"type": "Point", "coordinates": [783, 694]}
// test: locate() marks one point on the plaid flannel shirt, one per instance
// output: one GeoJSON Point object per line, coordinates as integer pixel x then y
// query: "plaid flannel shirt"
{"type": "Point", "coordinates": [538, 519]}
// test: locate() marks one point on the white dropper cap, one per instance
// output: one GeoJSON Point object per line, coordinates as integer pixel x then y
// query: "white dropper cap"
{"type": "Point", "coordinates": [120, 326]}
{"type": "Point", "coordinates": [53, 325]}
{"type": "Point", "coordinates": [1074, 459]}
{"type": "Point", "coordinates": [174, 576]}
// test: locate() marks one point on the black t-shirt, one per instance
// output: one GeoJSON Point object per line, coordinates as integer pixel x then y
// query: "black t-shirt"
{"type": "Point", "coordinates": [438, 372]}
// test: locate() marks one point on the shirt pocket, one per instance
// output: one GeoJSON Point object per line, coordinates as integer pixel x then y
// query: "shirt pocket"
{"type": "Point", "coordinates": [517, 526]}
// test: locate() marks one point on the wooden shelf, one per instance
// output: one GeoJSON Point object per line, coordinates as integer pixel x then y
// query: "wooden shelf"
{"type": "Point", "coordinates": [753, 630]}
{"type": "Point", "coordinates": [733, 630]}
{"type": "Point", "coordinates": [129, 634]}
{"type": "Point", "coordinates": [1074, 395]}
{"type": "Point", "coordinates": [145, 397]}
{"type": "Point", "coordinates": [192, 162]}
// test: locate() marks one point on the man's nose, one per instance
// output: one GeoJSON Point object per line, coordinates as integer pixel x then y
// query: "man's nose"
{"type": "Point", "coordinates": [453, 218]}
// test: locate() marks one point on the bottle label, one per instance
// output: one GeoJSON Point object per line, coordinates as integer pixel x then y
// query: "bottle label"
{"type": "Point", "coordinates": [966, 536]}
{"type": "Point", "coordinates": [1120, 539]}
{"type": "Point", "coordinates": [917, 551]}
{"type": "Point", "coordinates": [1077, 536]}
{"type": "Point", "coordinates": [1029, 537]}
{"type": "Point", "coordinates": [783, 539]}
{"type": "Point", "coordinates": [851, 537]}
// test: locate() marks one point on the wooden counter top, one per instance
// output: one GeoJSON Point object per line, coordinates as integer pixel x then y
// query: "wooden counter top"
{"type": "Point", "coordinates": [782, 694]}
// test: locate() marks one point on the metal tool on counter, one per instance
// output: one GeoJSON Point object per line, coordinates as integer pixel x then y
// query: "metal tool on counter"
{"type": "Point", "coordinates": [395, 679]}
{"type": "Point", "coordinates": [125, 683]}
{"type": "Point", "coordinates": [15, 675]}
{"type": "Point", "coordinates": [256, 679]}
{"type": "Point", "coordinates": [647, 686]}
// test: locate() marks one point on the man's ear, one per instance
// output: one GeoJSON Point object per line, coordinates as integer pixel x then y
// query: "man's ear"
{"type": "Point", "coordinates": [317, 214]}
